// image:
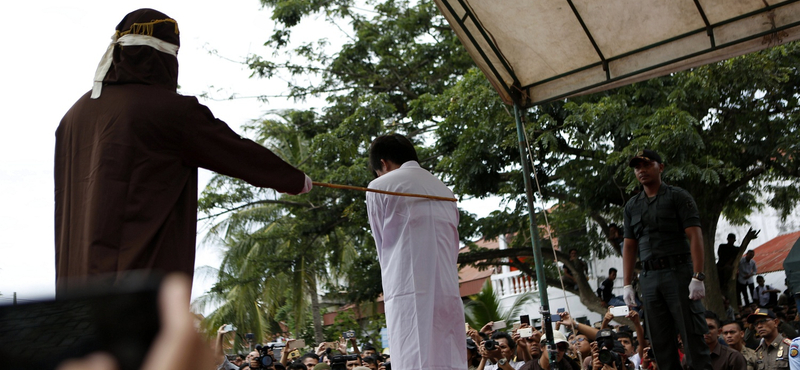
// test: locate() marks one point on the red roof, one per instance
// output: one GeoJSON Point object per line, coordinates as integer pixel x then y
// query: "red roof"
{"type": "Point", "coordinates": [770, 255]}
{"type": "Point", "coordinates": [470, 278]}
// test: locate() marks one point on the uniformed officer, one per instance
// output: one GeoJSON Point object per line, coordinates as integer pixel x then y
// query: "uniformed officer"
{"type": "Point", "coordinates": [662, 227]}
{"type": "Point", "coordinates": [773, 352]}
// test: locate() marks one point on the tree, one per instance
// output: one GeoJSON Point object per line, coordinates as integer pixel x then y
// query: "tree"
{"type": "Point", "coordinates": [485, 307]}
{"type": "Point", "coordinates": [728, 131]}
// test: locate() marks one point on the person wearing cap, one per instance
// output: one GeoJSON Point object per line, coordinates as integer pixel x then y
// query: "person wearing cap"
{"type": "Point", "coordinates": [543, 361]}
{"type": "Point", "coordinates": [773, 351]}
{"type": "Point", "coordinates": [126, 161]}
{"type": "Point", "coordinates": [662, 228]}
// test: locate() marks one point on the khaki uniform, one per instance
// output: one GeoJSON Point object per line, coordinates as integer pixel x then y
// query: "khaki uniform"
{"type": "Point", "coordinates": [774, 355]}
{"type": "Point", "coordinates": [750, 357]}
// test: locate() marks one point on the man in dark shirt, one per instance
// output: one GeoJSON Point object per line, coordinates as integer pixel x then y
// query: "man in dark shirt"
{"type": "Point", "coordinates": [662, 227]}
{"type": "Point", "coordinates": [722, 357]}
{"type": "Point", "coordinates": [727, 258]}
{"type": "Point", "coordinates": [608, 286]}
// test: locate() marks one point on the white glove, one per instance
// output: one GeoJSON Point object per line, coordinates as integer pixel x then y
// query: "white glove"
{"type": "Point", "coordinates": [629, 296]}
{"type": "Point", "coordinates": [696, 289]}
{"type": "Point", "coordinates": [307, 187]}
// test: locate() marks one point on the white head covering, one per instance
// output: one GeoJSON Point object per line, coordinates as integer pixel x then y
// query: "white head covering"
{"type": "Point", "coordinates": [127, 40]}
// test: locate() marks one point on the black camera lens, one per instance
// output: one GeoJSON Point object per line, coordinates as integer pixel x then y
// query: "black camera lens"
{"type": "Point", "coordinates": [490, 344]}
{"type": "Point", "coordinates": [609, 357]}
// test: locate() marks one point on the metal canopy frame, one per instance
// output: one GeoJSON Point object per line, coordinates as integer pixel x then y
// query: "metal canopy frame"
{"type": "Point", "coordinates": [495, 65]}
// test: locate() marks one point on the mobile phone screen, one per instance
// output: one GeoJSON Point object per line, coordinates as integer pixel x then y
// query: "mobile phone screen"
{"type": "Point", "coordinates": [555, 317]}
{"type": "Point", "coordinates": [41, 335]}
{"type": "Point", "coordinates": [525, 319]}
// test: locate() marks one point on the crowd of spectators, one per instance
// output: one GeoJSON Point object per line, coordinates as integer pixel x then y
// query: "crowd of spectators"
{"type": "Point", "coordinates": [283, 356]}
{"type": "Point", "coordinates": [578, 346]}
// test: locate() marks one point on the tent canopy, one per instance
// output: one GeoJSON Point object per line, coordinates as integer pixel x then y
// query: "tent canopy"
{"type": "Point", "coordinates": [538, 51]}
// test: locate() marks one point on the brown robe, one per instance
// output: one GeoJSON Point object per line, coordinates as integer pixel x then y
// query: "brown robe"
{"type": "Point", "coordinates": [126, 168]}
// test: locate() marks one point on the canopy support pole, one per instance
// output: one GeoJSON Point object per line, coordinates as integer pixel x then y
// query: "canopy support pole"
{"type": "Point", "coordinates": [544, 303]}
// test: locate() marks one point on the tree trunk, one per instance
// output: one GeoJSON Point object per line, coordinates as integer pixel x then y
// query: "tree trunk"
{"type": "Point", "coordinates": [319, 337]}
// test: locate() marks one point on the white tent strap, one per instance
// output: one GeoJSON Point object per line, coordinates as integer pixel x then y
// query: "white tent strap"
{"type": "Point", "coordinates": [549, 233]}
{"type": "Point", "coordinates": [127, 40]}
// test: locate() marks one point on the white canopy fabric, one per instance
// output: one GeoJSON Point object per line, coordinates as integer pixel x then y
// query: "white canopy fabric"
{"type": "Point", "coordinates": [542, 50]}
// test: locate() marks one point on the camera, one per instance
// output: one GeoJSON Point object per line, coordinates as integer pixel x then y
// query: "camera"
{"type": "Point", "coordinates": [610, 357]}
{"type": "Point", "coordinates": [264, 359]}
{"type": "Point", "coordinates": [340, 362]}
{"type": "Point", "coordinates": [490, 344]}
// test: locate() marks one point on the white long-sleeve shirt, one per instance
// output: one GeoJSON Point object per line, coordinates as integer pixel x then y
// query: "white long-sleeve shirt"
{"type": "Point", "coordinates": [417, 241]}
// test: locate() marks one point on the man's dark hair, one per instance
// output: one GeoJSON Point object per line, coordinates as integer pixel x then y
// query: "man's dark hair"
{"type": "Point", "coordinates": [309, 355]}
{"type": "Point", "coordinates": [242, 356]}
{"type": "Point", "coordinates": [731, 235]}
{"type": "Point", "coordinates": [737, 322]}
{"type": "Point", "coordinates": [611, 270]}
{"type": "Point", "coordinates": [394, 147]}
{"type": "Point", "coordinates": [509, 340]}
{"type": "Point", "coordinates": [624, 334]}
{"type": "Point", "coordinates": [296, 365]}
{"type": "Point", "coordinates": [369, 360]}
{"type": "Point", "coordinates": [368, 347]}
{"type": "Point", "coordinates": [712, 315]}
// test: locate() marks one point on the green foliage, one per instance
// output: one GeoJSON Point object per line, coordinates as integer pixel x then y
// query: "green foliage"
{"type": "Point", "coordinates": [728, 133]}
{"type": "Point", "coordinates": [485, 307]}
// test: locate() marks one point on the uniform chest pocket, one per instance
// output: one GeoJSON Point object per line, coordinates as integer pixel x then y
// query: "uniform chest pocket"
{"type": "Point", "coordinates": [636, 224]}
{"type": "Point", "coordinates": [667, 220]}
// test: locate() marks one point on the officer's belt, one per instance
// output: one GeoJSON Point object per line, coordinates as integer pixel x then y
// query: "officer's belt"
{"type": "Point", "coordinates": [661, 263]}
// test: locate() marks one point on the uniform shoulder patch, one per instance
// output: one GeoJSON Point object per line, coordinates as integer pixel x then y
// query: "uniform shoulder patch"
{"type": "Point", "coordinates": [787, 341]}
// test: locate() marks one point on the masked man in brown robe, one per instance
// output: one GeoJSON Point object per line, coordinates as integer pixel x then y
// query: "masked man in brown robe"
{"type": "Point", "coordinates": [126, 162]}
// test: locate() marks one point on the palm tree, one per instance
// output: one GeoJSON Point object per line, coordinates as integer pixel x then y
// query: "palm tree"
{"type": "Point", "coordinates": [485, 307]}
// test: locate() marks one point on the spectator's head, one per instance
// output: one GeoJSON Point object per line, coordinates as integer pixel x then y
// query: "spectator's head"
{"type": "Point", "coordinates": [296, 365]}
{"type": "Point", "coordinates": [581, 344]}
{"type": "Point", "coordinates": [533, 344]}
{"type": "Point", "coordinates": [251, 359]}
{"type": "Point", "coordinates": [731, 238]}
{"type": "Point", "coordinates": [760, 280]}
{"type": "Point", "coordinates": [351, 364]}
{"type": "Point", "coordinates": [749, 254]}
{"type": "Point", "coordinates": [239, 359]}
{"type": "Point", "coordinates": [368, 350]}
{"type": "Point", "coordinates": [322, 366]}
{"type": "Point", "coordinates": [309, 359]}
{"type": "Point", "coordinates": [389, 152]}
{"type": "Point", "coordinates": [626, 339]}
{"type": "Point", "coordinates": [712, 337]}
{"type": "Point", "coordinates": [505, 344]}
{"type": "Point", "coordinates": [612, 273]}
{"type": "Point", "coordinates": [765, 323]}
{"type": "Point", "coordinates": [733, 333]}
{"type": "Point", "coordinates": [573, 253]}
{"type": "Point", "coordinates": [370, 361]}
{"type": "Point", "coordinates": [560, 341]}
{"type": "Point", "coordinates": [614, 231]}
